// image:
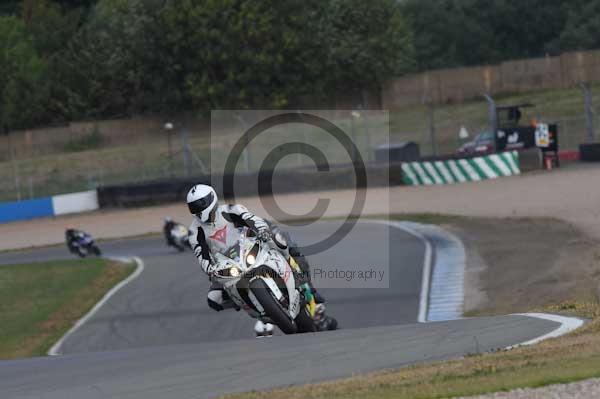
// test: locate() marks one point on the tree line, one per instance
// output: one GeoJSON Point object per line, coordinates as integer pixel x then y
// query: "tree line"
{"type": "Point", "coordinates": [79, 59]}
{"type": "Point", "coordinates": [453, 33]}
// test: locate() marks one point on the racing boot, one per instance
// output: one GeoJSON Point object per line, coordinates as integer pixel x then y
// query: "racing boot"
{"type": "Point", "coordinates": [289, 248]}
{"type": "Point", "coordinates": [218, 299]}
{"type": "Point", "coordinates": [318, 298]}
{"type": "Point", "coordinates": [305, 276]}
{"type": "Point", "coordinates": [263, 329]}
{"type": "Point", "coordinates": [323, 321]}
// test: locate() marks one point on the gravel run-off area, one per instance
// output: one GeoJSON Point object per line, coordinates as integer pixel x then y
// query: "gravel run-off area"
{"type": "Point", "coordinates": [588, 389]}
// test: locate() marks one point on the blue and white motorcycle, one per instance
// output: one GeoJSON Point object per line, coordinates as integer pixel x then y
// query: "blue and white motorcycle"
{"type": "Point", "coordinates": [259, 280]}
{"type": "Point", "coordinates": [83, 245]}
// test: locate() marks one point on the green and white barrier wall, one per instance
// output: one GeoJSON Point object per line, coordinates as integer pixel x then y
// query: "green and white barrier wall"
{"type": "Point", "coordinates": [461, 170]}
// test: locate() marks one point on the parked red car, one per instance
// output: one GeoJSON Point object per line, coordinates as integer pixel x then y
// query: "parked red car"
{"type": "Point", "coordinates": [482, 144]}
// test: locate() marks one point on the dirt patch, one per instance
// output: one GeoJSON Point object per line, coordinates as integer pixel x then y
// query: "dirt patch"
{"type": "Point", "coordinates": [516, 265]}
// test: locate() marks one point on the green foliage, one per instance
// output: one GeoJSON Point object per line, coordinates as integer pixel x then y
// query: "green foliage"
{"type": "Point", "coordinates": [121, 57]}
{"type": "Point", "coordinates": [239, 54]}
{"type": "Point", "coordinates": [73, 59]}
{"type": "Point", "coordinates": [76, 4]}
{"type": "Point", "coordinates": [51, 27]}
{"type": "Point", "coordinates": [582, 27]}
{"type": "Point", "coordinates": [364, 43]}
{"type": "Point", "coordinates": [451, 33]}
{"type": "Point", "coordinates": [104, 69]}
{"type": "Point", "coordinates": [23, 89]}
{"type": "Point", "coordinates": [9, 7]}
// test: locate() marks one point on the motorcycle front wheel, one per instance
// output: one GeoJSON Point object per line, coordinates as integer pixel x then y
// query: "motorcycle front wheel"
{"type": "Point", "coordinates": [272, 307]}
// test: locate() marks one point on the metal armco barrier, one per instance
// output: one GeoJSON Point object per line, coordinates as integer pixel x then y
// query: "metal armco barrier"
{"type": "Point", "coordinates": [590, 152]}
{"type": "Point", "coordinates": [339, 177]}
{"type": "Point", "coordinates": [461, 170]}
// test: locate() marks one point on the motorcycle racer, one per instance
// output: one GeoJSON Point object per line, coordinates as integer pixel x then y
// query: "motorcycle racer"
{"type": "Point", "coordinates": [174, 235]}
{"type": "Point", "coordinates": [71, 237]}
{"type": "Point", "coordinates": [80, 243]}
{"type": "Point", "coordinates": [211, 231]}
{"type": "Point", "coordinates": [167, 227]}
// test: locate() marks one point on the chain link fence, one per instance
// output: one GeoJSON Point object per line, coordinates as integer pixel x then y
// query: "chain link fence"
{"type": "Point", "coordinates": [82, 156]}
{"type": "Point", "coordinates": [442, 129]}
{"type": "Point", "coordinates": [47, 162]}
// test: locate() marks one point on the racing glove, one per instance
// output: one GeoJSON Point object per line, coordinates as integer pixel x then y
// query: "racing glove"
{"type": "Point", "coordinates": [264, 235]}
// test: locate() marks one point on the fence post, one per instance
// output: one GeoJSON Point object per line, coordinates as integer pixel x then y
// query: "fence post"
{"type": "Point", "coordinates": [493, 117]}
{"type": "Point", "coordinates": [353, 116]}
{"type": "Point", "coordinates": [364, 105]}
{"type": "Point", "coordinates": [14, 166]}
{"type": "Point", "coordinates": [186, 151]}
{"type": "Point", "coordinates": [30, 187]}
{"type": "Point", "coordinates": [246, 153]}
{"type": "Point", "coordinates": [432, 133]}
{"type": "Point", "coordinates": [368, 154]}
{"type": "Point", "coordinates": [169, 128]}
{"type": "Point", "coordinates": [589, 111]}
{"type": "Point", "coordinates": [299, 155]}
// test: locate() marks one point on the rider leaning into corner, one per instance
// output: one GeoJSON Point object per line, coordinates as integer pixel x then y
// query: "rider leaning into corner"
{"type": "Point", "coordinates": [209, 229]}
{"type": "Point", "coordinates": [168, 226]}
{"type": "Point", "coordinates": [71, 236]}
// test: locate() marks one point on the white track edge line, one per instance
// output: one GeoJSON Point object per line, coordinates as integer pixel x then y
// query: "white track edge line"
{"type": "Point", "coordinates": [567, 325]}
{"type": "Point", "coordinates": [55, 350]}
{"type": "Point", "coordinates": [426, 274]}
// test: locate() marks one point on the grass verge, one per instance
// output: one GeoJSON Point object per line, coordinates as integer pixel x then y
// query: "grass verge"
{"type": "Point", "coordinates": [39, 302]}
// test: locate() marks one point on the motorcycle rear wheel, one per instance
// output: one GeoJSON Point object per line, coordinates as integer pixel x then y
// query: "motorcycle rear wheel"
{"type": "Point", "coordinates": [272, 307]}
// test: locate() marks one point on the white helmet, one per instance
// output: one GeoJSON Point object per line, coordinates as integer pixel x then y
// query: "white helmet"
{"type": "Point", "coordinates": [201, 200]}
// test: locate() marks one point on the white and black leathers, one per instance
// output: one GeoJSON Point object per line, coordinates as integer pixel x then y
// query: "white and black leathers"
{"type": "Point", "coordinates": [207, 238]}
{"type": "Point", "coordinates": [219, 235]}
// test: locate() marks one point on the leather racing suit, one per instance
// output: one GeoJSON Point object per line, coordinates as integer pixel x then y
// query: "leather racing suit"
{"type": "Point", "coordinates": [219, 235]}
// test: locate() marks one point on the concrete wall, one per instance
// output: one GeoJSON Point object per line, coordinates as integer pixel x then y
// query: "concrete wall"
{"type": "Point", "coordinates": [75, 203]}
{"type": "Point", "coordinates": [457, 85]}
{"type": "Point", "coordinates": [25, 210]}
{"type": "Point", "coordinates": [50, 206]}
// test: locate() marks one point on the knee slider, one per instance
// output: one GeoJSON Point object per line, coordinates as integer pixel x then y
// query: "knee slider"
{"type": "Point", "coordinates": [215, 300]}
{"type": "Point", "coordinates": [280, 241]}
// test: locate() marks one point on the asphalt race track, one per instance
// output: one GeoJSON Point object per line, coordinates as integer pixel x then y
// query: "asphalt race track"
{"type": "Point", "coordinates": [156, 338]}
{"type": "Point", "coordinates": [206, 370]}
{"type": "Point", "coordinates": [166, 304]}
